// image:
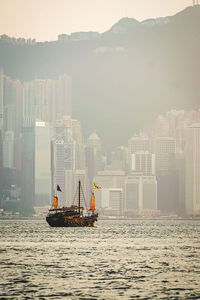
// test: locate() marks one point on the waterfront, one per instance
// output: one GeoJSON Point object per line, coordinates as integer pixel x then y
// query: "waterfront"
{"type": "Point", "coordinates": [116, 259]}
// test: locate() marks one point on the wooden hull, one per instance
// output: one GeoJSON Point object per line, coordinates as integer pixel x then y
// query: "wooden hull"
{"type": "Point", "coordinates": [71, 221]}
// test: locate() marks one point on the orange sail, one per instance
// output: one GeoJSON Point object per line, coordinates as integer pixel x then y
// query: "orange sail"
{"type": "Point", "coordinates": [55, 202]}
{"type": "Point", "coordinates": [92, 204]}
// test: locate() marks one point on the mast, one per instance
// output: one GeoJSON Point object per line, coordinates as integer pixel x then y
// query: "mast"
{"type": "Point", "coordinates": [79, 194]}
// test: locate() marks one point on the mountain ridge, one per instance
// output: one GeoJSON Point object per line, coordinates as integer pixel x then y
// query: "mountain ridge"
{"type": "Point", "coordinates": [129, 76]}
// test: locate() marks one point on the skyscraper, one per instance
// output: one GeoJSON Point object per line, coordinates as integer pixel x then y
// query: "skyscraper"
{"type": "Point", "coordinates": [36, 163]}
{"type": "Point", "coordinates": [68, 156]}
{"type": "Point", "coordinates": [28, 162]}
{"type": "Point", "coordinates": [136, 144]}
{"type": "Point", "coordinates": [1, 118]}
{"type": "Point", "coordinates": [141, 195]}
{"type": "Point", "coordinates": [93, 153]}
{"type": "Point", "coordinates": [119, 158]}
{"type": "Point", "coordinates": [8, 150]}
{"type": "Point", "coordinates": [12, 111]}
{"type": "Point", "coordinates": [109, 201]}
{"type": "Point", "coordinates": [165, 153]}
{"type": "Point", "coordinates": [193, 170]}
{"type": "Point", "coordinates": [143, 162]}
{"type": "Point", "coordinates": [47, 100]}
{"type": "Point", "coordinates": [42, 163]}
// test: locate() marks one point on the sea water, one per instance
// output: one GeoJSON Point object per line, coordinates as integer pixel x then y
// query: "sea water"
{"type": "Point", "coordinates": [114, 260]}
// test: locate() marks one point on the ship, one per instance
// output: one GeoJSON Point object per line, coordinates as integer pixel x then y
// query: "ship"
{"type": "Point", "coordinates": [73, 216]}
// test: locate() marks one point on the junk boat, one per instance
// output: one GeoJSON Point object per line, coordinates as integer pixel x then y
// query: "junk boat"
{"type": "Point", "coordinates": [74, 215]}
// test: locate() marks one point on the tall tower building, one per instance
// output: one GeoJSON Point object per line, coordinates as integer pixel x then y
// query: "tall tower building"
{"type": "Point", "coordinates": [1, 118]}
{"type": "Point", "coordinates": [47, 100]}
{"type": "Point", "coordinates": [42, 163]}
{"type": "Point", "coordinates": [36, 163]}
{"type": "Point", "coordinates": [63, 96]}
{"type": "Point", "coordinates": [79, 146]}
{"type": "Point", "coordinates": [18, 125]}
{"type": "Point", "coordinates": [35, 100]}
{"type": "Point", "coordinates": [28, 162]}
{"type": "Point", "coordinates": [137, 144]}
{"type": "Point", "coordinates": [109, 201]}
{"type": "Point", "coordinates": [143, 162]}
{"type": "Point", "coordinates": [8, 150]}
{"type": "Point", "coordinates": [93, 153]}
{"type": "Point", "coordinates": [119, 159]}
{"type": "Point", "coordinates": [68, 155]}
{"type": "Point", "coordinates": [59, 170]}
{"type": "Point", "coordinates": [193, 170]}
{"type": "Point", "coordinates": [12, 111]}
{"type": "Point", "coordinates": [165, 153]}
{"type": "Point", "coordinates": [141, 195]}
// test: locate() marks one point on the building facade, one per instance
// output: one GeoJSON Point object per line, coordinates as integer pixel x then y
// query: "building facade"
{"type": "Point", "coordinates": [140, 195]}
{"type": "Point", "coordinates": [193, 170]}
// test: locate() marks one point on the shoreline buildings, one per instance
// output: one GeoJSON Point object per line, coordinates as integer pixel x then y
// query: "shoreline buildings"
{"type": "Point", "coordinates": [157, 173]}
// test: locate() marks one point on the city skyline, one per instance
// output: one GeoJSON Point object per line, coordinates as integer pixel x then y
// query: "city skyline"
{"type": "Point", "coordinates": [74, 16]}
{"type": "Point", "coordinates": [151, 174]}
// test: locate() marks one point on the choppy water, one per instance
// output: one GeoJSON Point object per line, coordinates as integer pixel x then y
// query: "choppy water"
{"type": "Point", "coordinates": [114, 260]}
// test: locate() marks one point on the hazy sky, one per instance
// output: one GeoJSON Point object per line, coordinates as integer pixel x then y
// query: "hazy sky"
{"type": "Point", "coordinates": [45, 19]}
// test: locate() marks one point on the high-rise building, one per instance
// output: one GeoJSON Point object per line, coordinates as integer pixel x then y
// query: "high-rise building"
{"type": "Point", "coordinates": [59, 169]}
{"type": "Point", "coordinates": [13, 115]}
{"type": "Point", "coordinates": [1, 118]}
{"type": "Point", "coordinates": [48, 100]}
{"type": "Point", "coordinates": [149, 193]}
{"type": "Point", "coordinates": [143, 162]}
{"type": "Point", "coordinates": [119, 159]}
{"type": "Point", "coordinates": [93, 152]}
{"type": "Point", "coordinates": [63, 96]}
{"type": "Point", "coordinates": [137, 144]}
{"type": "Point", "coordinates": [168, 191]}
{"type": "Point", "coordinates": [165, 153]}
{"type": "Point", "coordinates": [133, 188]}
{"type": "Point", "coordinates": [42, 163]}
{"type": "Point", "coordinates": [174, 125]}
{"type": "Point", "coordinates": [35, 100]}
{"type": "Point", "coordinates": [36, 162]}
{"type": "Point", "coordinates": [80, 163]}
{"type": "Point", "coordinates": [193, 170]}
{"type": "Point", "coordinates": [28, 162]}
{"type": "Point", "coordinates": [109, 201]}
{"type": "Point", "coordinates": [8, 150]}
{"type": "Point", "coordinates": [141, 195]}
{"type": "Point", "coordinates": [68, 155]}
{"type": "Point", "coordinates": [180, 169]}
{"type": "Point", "coordinates": [18, 125]}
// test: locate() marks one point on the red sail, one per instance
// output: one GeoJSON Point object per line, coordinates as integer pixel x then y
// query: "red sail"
{"type": "Point", "coordinates": [55, 202]}
{"type": "Point", "coordinates": [92, 204]}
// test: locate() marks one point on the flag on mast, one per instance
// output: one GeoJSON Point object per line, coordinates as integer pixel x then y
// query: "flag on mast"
{"type": "Point", "coordinates": [95, 186]}
{"type": "Point", "coordinates": [58, 188]}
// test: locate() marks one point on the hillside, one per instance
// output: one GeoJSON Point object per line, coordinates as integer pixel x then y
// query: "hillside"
{"type": "Point", "coordinates": [122, 78]}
